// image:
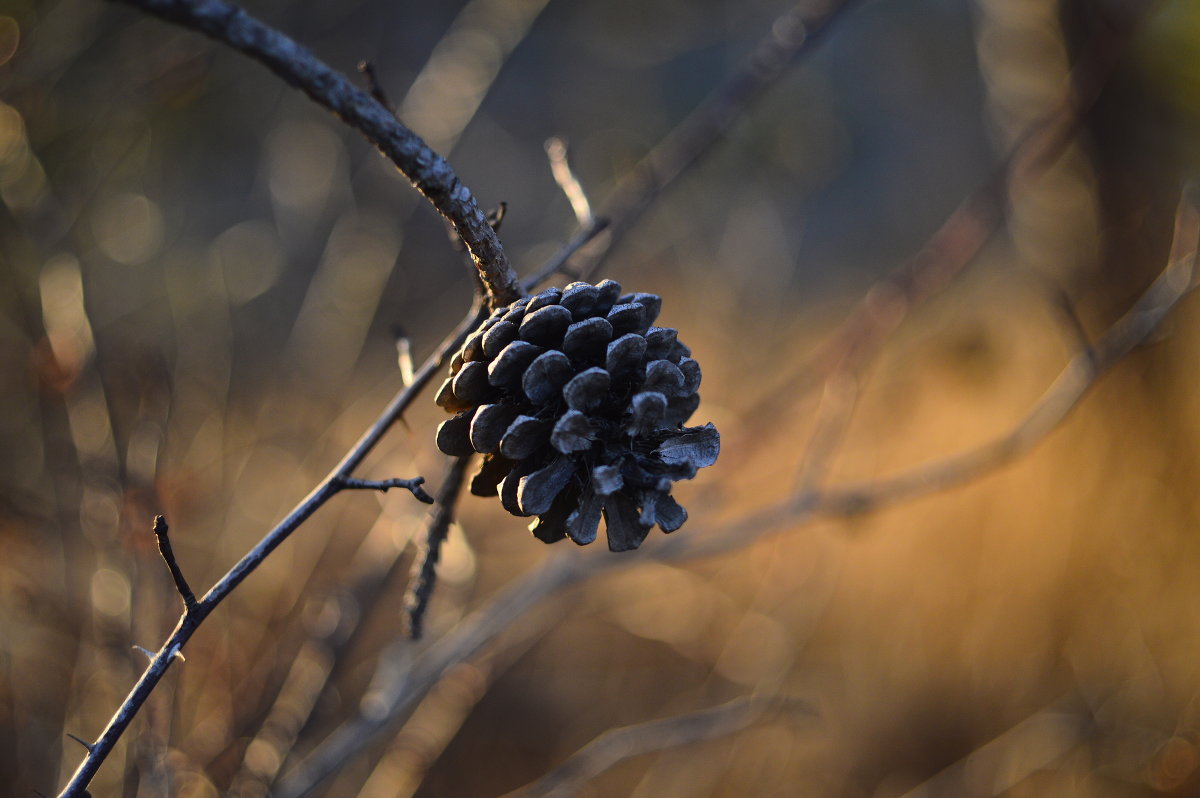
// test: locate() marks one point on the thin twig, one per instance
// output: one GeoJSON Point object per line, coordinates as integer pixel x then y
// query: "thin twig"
{"type": "Point", "coordinates": [190, 621]}
{"type": "Point", "coordinates": [404, 359]}
{"type": "Point", "coordinates": [383, 485]}
{"type": "Point", "coordinates": [793, 36]}
{"type": "Point", "coordinates": [164, 548]}
{"type": "Point", "coordinates": [424, 570]}
{"type": "Point", "coordinates": [428, 171]}
{"type": "Point", "coordinates": [955, 244]}
{"type": "Point", "coordinates": [617, 745]}
{"type": "Point", "coordinates": [367, 70]}
{"type": "Point", "coordinates": [1080, 374]}
{"type": "Point", "coordinates": [560, 167]}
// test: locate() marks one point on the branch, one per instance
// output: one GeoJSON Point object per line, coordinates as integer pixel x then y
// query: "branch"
{"type": "Point", "coordinates": [1063, 395]}
{"type": "Point", "coordinates": [164, 548]}
{"type": "Point", "coordinates": [954, 245]}
{"type": "Point", "coordinates": [325, 490]}
{"type": "Point", "coordinates": [383, 485]}
{"type": "Point", "coordinates": [793, 36]}
{"type": "Point", "coordinates": [429, 172]}
{"type": "Point", "coordinates": [617, 745]}
{"type": "Point", "coordinates": [560, 167]}
{"type": "Point", "coordinates": [424, 569]}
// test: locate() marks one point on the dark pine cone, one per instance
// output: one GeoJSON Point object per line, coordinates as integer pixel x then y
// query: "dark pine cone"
{"type": "Point", "coordinates": [578, 405]}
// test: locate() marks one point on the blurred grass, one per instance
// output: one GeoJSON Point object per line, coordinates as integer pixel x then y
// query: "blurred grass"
{"type": "Point", "coordinates": [200, 278]}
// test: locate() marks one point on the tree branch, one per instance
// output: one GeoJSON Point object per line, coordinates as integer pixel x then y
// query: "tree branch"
{"type": "Point", "coordinates": [424, 569]}
{"type": "Point", "coordinates": [325, 490]}
{"type": "Point", "coordinates": [429, 172]}
{"type": "Point", "coordinates": [616, 745]}
{"type": "Point", "coordinates": [164, 548]}
{"type": "Point", "coordinates": [384, 485]}
{"type": "Point", "coordinates": [793, 36]}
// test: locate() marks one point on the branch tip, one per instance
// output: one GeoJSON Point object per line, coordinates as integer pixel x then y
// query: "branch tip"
{"type": "Point", "coordinates": [413, 486]}
{"type": "Point", "coordinates": [168, 555]}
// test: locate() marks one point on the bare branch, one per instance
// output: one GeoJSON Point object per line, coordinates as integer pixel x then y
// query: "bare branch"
{"type": "Point", "coordinates": [429, 172]}
{"type": "Point", "coordinates": [957, 241]}
{"type": "Point", "coordinates": [617, 745]}
{"type": "Point", "coordinates": [383, 485]}
{"type": "Point", "coordinates": [404, 358]}
{"type": "Point", "coordinates": [793, 36]}
{"type": "Point", "coordinates": [556, 152]}
{"type": "Point", "coordinates": [164, 548]}
{"type": "Point", "coordinates": [424, 570]}
{"type": "Point", "coordinates": [1080, 374]}
{"type": "Point", "coordinates": [190, 621]}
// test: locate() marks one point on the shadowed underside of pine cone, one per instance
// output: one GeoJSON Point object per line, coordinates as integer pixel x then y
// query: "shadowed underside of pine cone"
{"type": "Point", "coordinates": [578, 404]}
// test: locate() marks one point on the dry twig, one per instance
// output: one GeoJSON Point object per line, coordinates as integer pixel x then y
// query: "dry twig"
{"type": "Point", "coordinates": [616, 745]}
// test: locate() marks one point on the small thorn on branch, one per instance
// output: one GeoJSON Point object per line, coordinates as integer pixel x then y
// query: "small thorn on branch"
{"type": "Point", "coordinates": [164, 548]}
{"type": "Point", "coordinates": [412, 485]}
{"type": "Point", "coordinates": [150, 655]}
{"type": "Point", "coordinates": [83, 742]}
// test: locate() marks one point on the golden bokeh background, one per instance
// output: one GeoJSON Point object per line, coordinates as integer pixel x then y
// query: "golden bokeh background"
{"type": "Point", "coordinates": [201, 279]}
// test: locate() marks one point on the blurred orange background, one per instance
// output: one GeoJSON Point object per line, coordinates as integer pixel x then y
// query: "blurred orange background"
{"type": "Point", "coordinates": [201, 275]}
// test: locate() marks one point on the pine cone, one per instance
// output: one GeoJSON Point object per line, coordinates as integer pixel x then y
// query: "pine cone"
{"type": "Point", "coordinates": [577, 404]}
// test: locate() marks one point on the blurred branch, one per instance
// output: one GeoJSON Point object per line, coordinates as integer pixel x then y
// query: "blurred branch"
{"type": "Point", "coordinates": [424, 570]}
{"type": "Point", "coordinates": [560, 167]}
{"type": "Point", "coordinates": [428, 171]}
{"type": "Point", "coordinates": [1080, 374]}
{"type": "Point", "coordinates": [793, 36]}
{"type": "Point", "coordinates": [954, 245]}
{"type": "Point", "coordinates": [1004, 762]}
{"type": "Point", "coordinates": [566, 569]}
{"type": "Point", "coordinates": [330, 486]}
{"type": "Point", "coordinates": [616, 745]}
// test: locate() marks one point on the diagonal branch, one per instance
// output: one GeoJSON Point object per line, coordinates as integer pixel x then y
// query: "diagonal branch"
{"type": "Point", "coordinates": [429, 172]}
{"type": "Point", "coordinates": [793, 36]}
{"type": "Point", "coordinates": [191, 620]}
{"type": "Point", "coordinates": [424, 569]}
